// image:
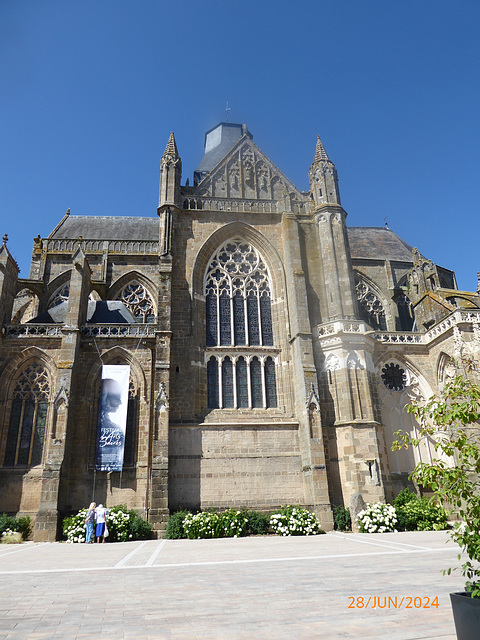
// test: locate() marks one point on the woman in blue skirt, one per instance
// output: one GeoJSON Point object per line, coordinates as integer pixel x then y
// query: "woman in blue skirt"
{"type": "Point", "coordinates": [101, 515]}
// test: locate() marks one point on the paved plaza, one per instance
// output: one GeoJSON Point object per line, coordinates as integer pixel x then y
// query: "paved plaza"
{"type": "Point", "coordinates": [387, 586]}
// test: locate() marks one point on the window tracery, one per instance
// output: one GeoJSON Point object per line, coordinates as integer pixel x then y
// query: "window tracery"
{"type": "Point", "coordinates": [60, 295]}
{"type": "Point", "coordinates": [28, 418]}
{"type": "Point", "coordinates": [238, 294]}
{"type": "Point", "coordinates": [394, 377]}
{"type": "Point", "coordinates": [238, 315]}
{"type": "Point", "coordinates": [138, 301]}
{"type": "Point", "coordinates": [370, 306]}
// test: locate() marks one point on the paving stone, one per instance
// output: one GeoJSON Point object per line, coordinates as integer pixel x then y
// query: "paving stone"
{"type": "Point", "coordinates": [235, 589]}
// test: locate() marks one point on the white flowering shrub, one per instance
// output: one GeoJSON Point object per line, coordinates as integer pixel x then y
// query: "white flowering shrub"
{"type": "Point", "coordinates": [210, 524]}
{"type": "Point", "coordinates": [377, 518]}
{"type": "Point", "coordinates": [74, 527]}
{"type": "Point", "coordinates": [118, 521]}
{"type": "Point", "coordinates": [123, 525]}
{"type": "Point", "coordinates": [234, 523]}
{"type": "Point", "coordinates": [295, 521]}
{"type": "Point", "coordinates": [202, 525]}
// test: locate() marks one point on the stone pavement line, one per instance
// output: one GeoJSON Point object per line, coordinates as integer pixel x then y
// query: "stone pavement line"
{"type": "Point", "coordinates": [125, 559]}
{"type": "Point", "coordinates": [155, 554]}
{"type": "Point", "coordinates": [383, 543]}
{"type": "Point", "coordinates": [25, 547]}
{"type": "Point", "coordinates": [226, 562]}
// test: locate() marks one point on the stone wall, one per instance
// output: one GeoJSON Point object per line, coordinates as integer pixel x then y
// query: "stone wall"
{"type": "Point", "coordinates": [227, 466]}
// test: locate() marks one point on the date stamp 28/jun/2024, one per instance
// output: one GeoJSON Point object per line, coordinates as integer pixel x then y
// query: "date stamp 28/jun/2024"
{"type": "Point", "coordinates": [392, 602]}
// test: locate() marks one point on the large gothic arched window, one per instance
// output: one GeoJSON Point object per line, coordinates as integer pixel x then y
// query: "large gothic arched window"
{"type": "Point", "coordinates": [28, 418]}
{"type": "Point", "coordinates": [239, 320]}
{"type": "Point", "coordinates": [238, 297]}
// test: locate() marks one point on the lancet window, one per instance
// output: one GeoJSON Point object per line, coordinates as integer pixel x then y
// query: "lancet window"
{"type": "Point", "coordinates": [28, 418]}
{"type": "Point", "coordinates": [241, 382]}
{"type": "Point", "coordinates": [238, 300]}
{"type": "Point", "coordinates": [138, 301]}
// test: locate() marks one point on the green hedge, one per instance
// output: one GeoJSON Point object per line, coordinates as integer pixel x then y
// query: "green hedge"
{"type": "Point", "coordinates": [418, 514]}
{"type": "Point", "coordinates": [20, 525]}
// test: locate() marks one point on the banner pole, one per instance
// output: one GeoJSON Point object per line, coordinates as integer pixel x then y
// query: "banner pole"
{"type": "Point", "coordinates": [94, 479]}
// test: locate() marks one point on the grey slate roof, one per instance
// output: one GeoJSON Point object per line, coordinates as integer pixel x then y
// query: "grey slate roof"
{"type": "Point", "coordinates": [365, 242]}
{"type": "Point", "coordinates": [378, 243]}
{"type": "Point", "coordinates": [99, 312]}
{"type": "Point", "coordinates": [107, 228]}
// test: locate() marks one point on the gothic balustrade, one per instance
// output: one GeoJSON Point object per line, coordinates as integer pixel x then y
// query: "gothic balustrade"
{"type": "Point", "coordinates": [32, 330]}
{"type": "Point", "coordinates": [231, 204]}
{"type": "Point", "coordinates": [93, 330]}
{"type": "Point", "coordinates": [119, 330]}
{"type": "Point", "coordinates": [99, 246]}
{"type": "Point", "coordinates": [331, 329]}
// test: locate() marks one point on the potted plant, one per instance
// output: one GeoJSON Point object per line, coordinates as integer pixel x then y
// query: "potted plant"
{"type": "Point", "coordinates": [451, 422]}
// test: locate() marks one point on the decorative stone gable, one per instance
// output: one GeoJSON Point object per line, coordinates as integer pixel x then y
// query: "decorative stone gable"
{"type": "Point", "coordinates": [246, 173]}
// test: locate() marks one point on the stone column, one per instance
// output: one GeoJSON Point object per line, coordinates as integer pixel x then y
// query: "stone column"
{"type": "Point", "coordinates": [46, 522]}
{"type": "Point", "coordinates": [158, 481]}
{"type": "Point", "coordinates": [305, 379]}
{"type": "Point", "coordinates": [355, 439]}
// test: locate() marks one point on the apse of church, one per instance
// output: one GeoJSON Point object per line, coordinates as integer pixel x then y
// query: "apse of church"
{"type": "Point", "coordinates": [271, 348]}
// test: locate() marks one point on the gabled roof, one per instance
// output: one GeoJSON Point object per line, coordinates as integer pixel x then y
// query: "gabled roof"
{"type": "Point", "coordinates": [107, 228]}
{"type": "Point", "coordinates": [378, 243]}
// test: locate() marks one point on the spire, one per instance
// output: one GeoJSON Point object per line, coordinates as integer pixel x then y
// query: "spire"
{"type": "Point", "coordinates": [323, 178]}
{"type": "Point", "coordinates": [171, 148]}
{"type": "Point", "coordinates": [170, 174]}
{"type": "Point", "coordinates": [320, 153]}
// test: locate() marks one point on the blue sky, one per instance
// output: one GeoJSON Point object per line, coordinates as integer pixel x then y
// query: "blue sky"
{"type": "Point", "coordinates": [90, 90]}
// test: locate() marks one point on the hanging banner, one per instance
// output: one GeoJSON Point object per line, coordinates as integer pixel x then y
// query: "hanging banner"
{"type": "Point", "coordinates": [112, 417]}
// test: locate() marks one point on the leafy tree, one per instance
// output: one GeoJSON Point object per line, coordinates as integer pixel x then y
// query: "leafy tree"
{"type": "Point", "coordinates": [451, 423]}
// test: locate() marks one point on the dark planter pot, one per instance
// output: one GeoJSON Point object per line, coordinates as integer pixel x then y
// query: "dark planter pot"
{"type": "Point", "coordinates": [466, 613]}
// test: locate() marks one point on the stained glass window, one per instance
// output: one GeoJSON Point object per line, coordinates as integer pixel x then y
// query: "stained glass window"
{"type": "Point", "coordinates": [225, 321]}
{"type": "Point", "coordinates": [238, 314]}
{"type": "Point", "coordinates": [227, 384]}
{"type": "Point", "coordinates": [211, 319]}
{"type": "Point", "coordinates": [242, 383]}
{"type": "Point", "coordinates": [212, 383]}
{"type": "Point", "coordinates": [266, 318]}
{"type": "Point", "coordinates": [256, 383]}
{"type": "Point", "coordinates": [237, 273]}
{"type": "Point", "coordinates": [28, 418]}
{"type": "Point", "coordinates": [239, 318]}
{"type": "Point", "coordinates": [253, 325]}
{"type": "Point", "coordinates": [270, 383]}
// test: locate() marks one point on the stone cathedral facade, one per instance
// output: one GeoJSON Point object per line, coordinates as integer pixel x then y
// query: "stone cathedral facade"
{"type": "Point", "coordinates": [272, 348]}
